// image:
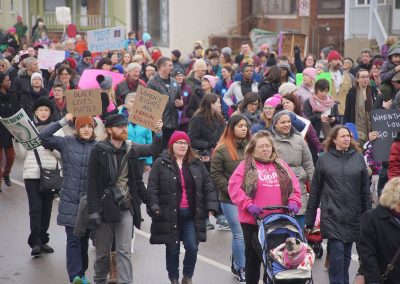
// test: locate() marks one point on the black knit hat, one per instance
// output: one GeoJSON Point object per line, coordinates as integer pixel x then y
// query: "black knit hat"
{"type": "Point", "coordinates": [115, 120]}
{"type": "Point", "coordinates": [86, 53]}
{"type": "Point", "coordinates": [43, 101]}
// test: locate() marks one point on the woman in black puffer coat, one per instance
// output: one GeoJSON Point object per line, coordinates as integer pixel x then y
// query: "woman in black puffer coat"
{"type": "Point", "coordinates": [340, 186]}
{"type": "Point", "coordinates": [180, 197]}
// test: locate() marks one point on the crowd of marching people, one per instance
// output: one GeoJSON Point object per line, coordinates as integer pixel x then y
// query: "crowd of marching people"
{"type": "Point", "coordinates": [240, 131]}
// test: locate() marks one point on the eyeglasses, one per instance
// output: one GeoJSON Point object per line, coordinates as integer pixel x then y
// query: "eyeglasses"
{"type": "Point", "coordinates": [182, 143]}
{"type": "Point", "coordinates": [268, 108]}
{"type": "Point", "coordinates": [254, 104]}
{"type": "Point", "coordinates": [64, 74]}
{"type": "Point", "coordinates": [364, 77]}
{"type": "Point", "coordinates": [266, 146]}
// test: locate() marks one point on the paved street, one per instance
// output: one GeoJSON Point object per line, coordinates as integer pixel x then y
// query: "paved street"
{"type": "Point", "coordinates": [17, 266]}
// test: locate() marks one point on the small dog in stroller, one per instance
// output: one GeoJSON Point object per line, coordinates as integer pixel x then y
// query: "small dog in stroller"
{"type": "Point", "coordinates": [286, 256]}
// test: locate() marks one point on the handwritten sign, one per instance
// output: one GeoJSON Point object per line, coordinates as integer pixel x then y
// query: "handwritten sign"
{"type": "Point", "coordinates": [48, 58]}
{"type": "Point", "coordinates": [387, 123]}
{"type": "Point", "coordinates": [84, 102]}
{"type": "Point", "coordinates": [106, 39]}
{"type": "Point", "coordinates": [23, 130]}
{"type": "Point", "coordinates": [63, 15]}
{"type": "Point", "coordinates": [287, 41]}
{"type": "Point", "coordinates": [88, 78]}
{"type": "Point", "coordinates": [148, 108]}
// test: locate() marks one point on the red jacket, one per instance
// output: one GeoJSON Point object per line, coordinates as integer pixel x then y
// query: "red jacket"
{"type": "Point", "coordinates": [394, 160]}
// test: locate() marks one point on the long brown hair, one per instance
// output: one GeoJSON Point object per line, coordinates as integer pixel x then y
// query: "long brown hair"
{"type": "Point", "coordinates": [295, 100]}
{"type": "Point", "coordinates": [333, 133]}
{"type": "Point", "coordinates": [205, 109]}
{"type": "Point", "coordinates": [249, 98]}
{"type": "Point", "coordinates": [228, 137]}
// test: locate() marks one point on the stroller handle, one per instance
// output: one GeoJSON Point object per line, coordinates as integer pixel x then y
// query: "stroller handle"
{"type": "Point", "coordinates": [276, 207]}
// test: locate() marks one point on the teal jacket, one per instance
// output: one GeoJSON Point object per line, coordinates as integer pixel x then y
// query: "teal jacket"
{"type": "Point", "coordinates": [139, 134]}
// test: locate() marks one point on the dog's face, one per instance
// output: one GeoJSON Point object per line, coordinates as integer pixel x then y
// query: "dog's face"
{"type": "Point", "coordinates": [293, 245]}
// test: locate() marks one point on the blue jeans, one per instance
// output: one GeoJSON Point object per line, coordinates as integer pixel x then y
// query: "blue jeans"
{"type": "Point", "coordinates": [231, 213]}
{"type": "Point", "coordinates": [339, 261]}
{"type": "Point", "coordinates": [77, 253]}
{"type": "Point", "coordinates": [188, 236]}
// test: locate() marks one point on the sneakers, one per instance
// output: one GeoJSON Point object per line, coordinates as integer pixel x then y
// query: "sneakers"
{"type": "Point", "coordinates": [80, 280]}
{"type": "Point", "coordinates": [46, 248]}
{"type": "Point", "coordinates": [186, 280]}
{"type": "Point", "coordinates": [209, 225]}
{"type": "Point", "coordinates": [7, 180]}
{"type": "Point", "coordinates": [223, 225]}
{"type": "Point", "coordinates": [240, 275]}
{"type": "Point", "coordinates": [36, 250]}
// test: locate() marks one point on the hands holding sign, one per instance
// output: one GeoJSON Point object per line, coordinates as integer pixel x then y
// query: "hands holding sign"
{"type": "Point", "coordinates": [158, 126]}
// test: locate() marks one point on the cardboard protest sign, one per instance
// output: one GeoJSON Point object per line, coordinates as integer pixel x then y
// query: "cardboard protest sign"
{"type": "Point", "coordinates": [287, 41]}
{"type": "Point", "coordinates": [84, 102]}
{"type": "Point", "coordinates": [63, 15]}
{"type": "Point", "coordinates": [148, 108]}
{"type": "Point", "coordinates": [23, 130]}
{"type": "Point", "coordinates": [387, 123]}
{"type": "Point", "coordinates": [48, 58]}
{"type": "Point", "coordinates": [88, 78]}
{"type": "Point", "coordinates": [106, 39]}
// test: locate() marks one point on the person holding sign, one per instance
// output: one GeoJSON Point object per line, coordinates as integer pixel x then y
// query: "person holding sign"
{"type": "Point", "coordinates": [8, 107]}
{"type": "Point", "coordinates": [166, 85]}
{"type": "Point", "coordinates": [40, 201]}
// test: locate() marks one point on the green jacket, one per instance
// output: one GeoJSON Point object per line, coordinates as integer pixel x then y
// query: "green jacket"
{"type": "Point", "coordinates": [222, 167]}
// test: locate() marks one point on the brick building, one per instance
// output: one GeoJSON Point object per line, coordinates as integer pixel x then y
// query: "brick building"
{"type": "Point", "coordinates": [323, 22]}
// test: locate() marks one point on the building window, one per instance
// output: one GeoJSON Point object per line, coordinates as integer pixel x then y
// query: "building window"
{"type": "Point", "coordinates": [1, 6]}
{"type": "Point", "coordinates": [367, 2]}
{"type": "Point", "coordinates": [12, 6]}
{"type": "Point", "coordinates": [50, 5]}
{"type": "Point", "coordinates": [274, 7]}
{"type": "Point", "coordinates": [331, 7]}
{"type": "Point", "coordinates": [156, 21]}
{"type": "Point", "coordinates": [397, 4]}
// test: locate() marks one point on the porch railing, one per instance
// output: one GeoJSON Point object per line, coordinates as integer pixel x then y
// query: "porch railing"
{"type": "Point", "coordinates": [83, 22]}
{"type": "Point", "coordinates": [378, 31]}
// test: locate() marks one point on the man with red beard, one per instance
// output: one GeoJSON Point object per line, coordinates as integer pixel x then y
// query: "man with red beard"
{"type": "Point", "coordinates": [114, 176]}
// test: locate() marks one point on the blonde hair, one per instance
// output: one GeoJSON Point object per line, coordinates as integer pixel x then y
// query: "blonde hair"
{"type": "Point", "coordinates": [391, 194]}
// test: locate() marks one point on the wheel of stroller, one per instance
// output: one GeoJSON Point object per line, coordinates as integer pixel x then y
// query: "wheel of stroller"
{"type": "Point", "coordinates": [318, 250]}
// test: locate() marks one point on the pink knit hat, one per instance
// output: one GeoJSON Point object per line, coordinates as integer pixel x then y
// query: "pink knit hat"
{"type": "Point", "coordinates": [310, 72]}
{"type": "Point", "coordinates": [211, 79]}
{"type": "Point", "coordinates": [273, 101]}
{"type": "Point", "coordinates": [178, 135]}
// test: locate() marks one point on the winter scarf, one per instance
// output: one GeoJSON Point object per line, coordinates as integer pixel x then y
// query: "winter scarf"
{"type": "Point", "coordinates": [132, 84]}
{"type": "Point", "coordinates": [251, 179]}
{"type": "Point", "coordinates": [60, 104]}
{"type": "Point", "coordinates": [319, 105]}
{"type": "Point", "coordinates": [363, 111]}
{"type": "Point", "coordinates": [254, 118]}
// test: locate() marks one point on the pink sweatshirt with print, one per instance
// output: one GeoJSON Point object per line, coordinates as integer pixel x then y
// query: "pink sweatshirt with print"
{"type": "Point", "coordinates": [268, 190]}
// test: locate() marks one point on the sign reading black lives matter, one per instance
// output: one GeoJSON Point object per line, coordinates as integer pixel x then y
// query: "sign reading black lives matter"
{"type": "Point", "coordinates": [387, 123]}
{"type": "Point", "coordinates": [84, 102]}
{"type": "Point", "coordinates": [23, 130]}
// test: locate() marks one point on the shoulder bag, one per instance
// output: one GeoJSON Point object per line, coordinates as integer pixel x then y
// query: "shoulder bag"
{"type": "Point", "coordinates": [50, 180]}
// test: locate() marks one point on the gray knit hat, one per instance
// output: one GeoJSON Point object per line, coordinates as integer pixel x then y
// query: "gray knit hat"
{"type": "Point", "coordinates": [278, 115]}
{"type": "Point", "coordinates": [105, 82]}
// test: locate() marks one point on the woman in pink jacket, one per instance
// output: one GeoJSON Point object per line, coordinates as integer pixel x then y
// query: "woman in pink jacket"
{"type": "Point", "coordinates": [262, 179]}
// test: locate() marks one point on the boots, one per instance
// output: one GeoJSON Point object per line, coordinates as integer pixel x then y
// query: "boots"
{"type": "Point", "coordinates": [113, 276]}
{"type": "Point", "coordinates": [186, 280]}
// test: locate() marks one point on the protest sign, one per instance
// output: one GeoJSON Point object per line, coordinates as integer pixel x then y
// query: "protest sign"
{"type": "Point", "coordinates": [63, 15]}
{"type": "Point", "coordinates": [387, 123]}
{"type": "Point", "coordinates": [48, 58]}
{"type": "Point", "coordinates": [306, 122]}
{"type": "Point", "coordinates": [88, 78]}
{"type": "Point", "coordinates": [23, 130]}
{"type": "Point", "coordinates": [106, 39]}
{"type": "Point", "coordinates": [148, 108]}
{"type": "Point", "coordinates": [287, 41]}
{"type": "Point", "coordinates": [84, 102]}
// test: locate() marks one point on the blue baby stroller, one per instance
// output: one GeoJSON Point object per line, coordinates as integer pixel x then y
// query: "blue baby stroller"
{"type": "Point", "coordinates": [273, 232]}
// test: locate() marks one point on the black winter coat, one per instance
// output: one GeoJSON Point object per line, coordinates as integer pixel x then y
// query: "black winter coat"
{"type": "Point", "coordinates": [202, 136]}
{"type": "Point", "coordinates": [99, 179]}
{"type": "Point", "coordinates": [351, 108]}
{"type": "Point", "coordinates": [165, 193]}
{"type": "Point", "coordinates": [340, 183]}
{"type": "Point", "coordinates": [170, 114]}
{"type": "Point", "coordinates": [8, 107]}
{"type": "Point", "coordinates": [315, 117]}
{"type": "Point", "coordinates": [379, 241]}
{"type": "Point", "coordinates": [27, 100]}
{"type": "Point", "coordinates": [267, 89]}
